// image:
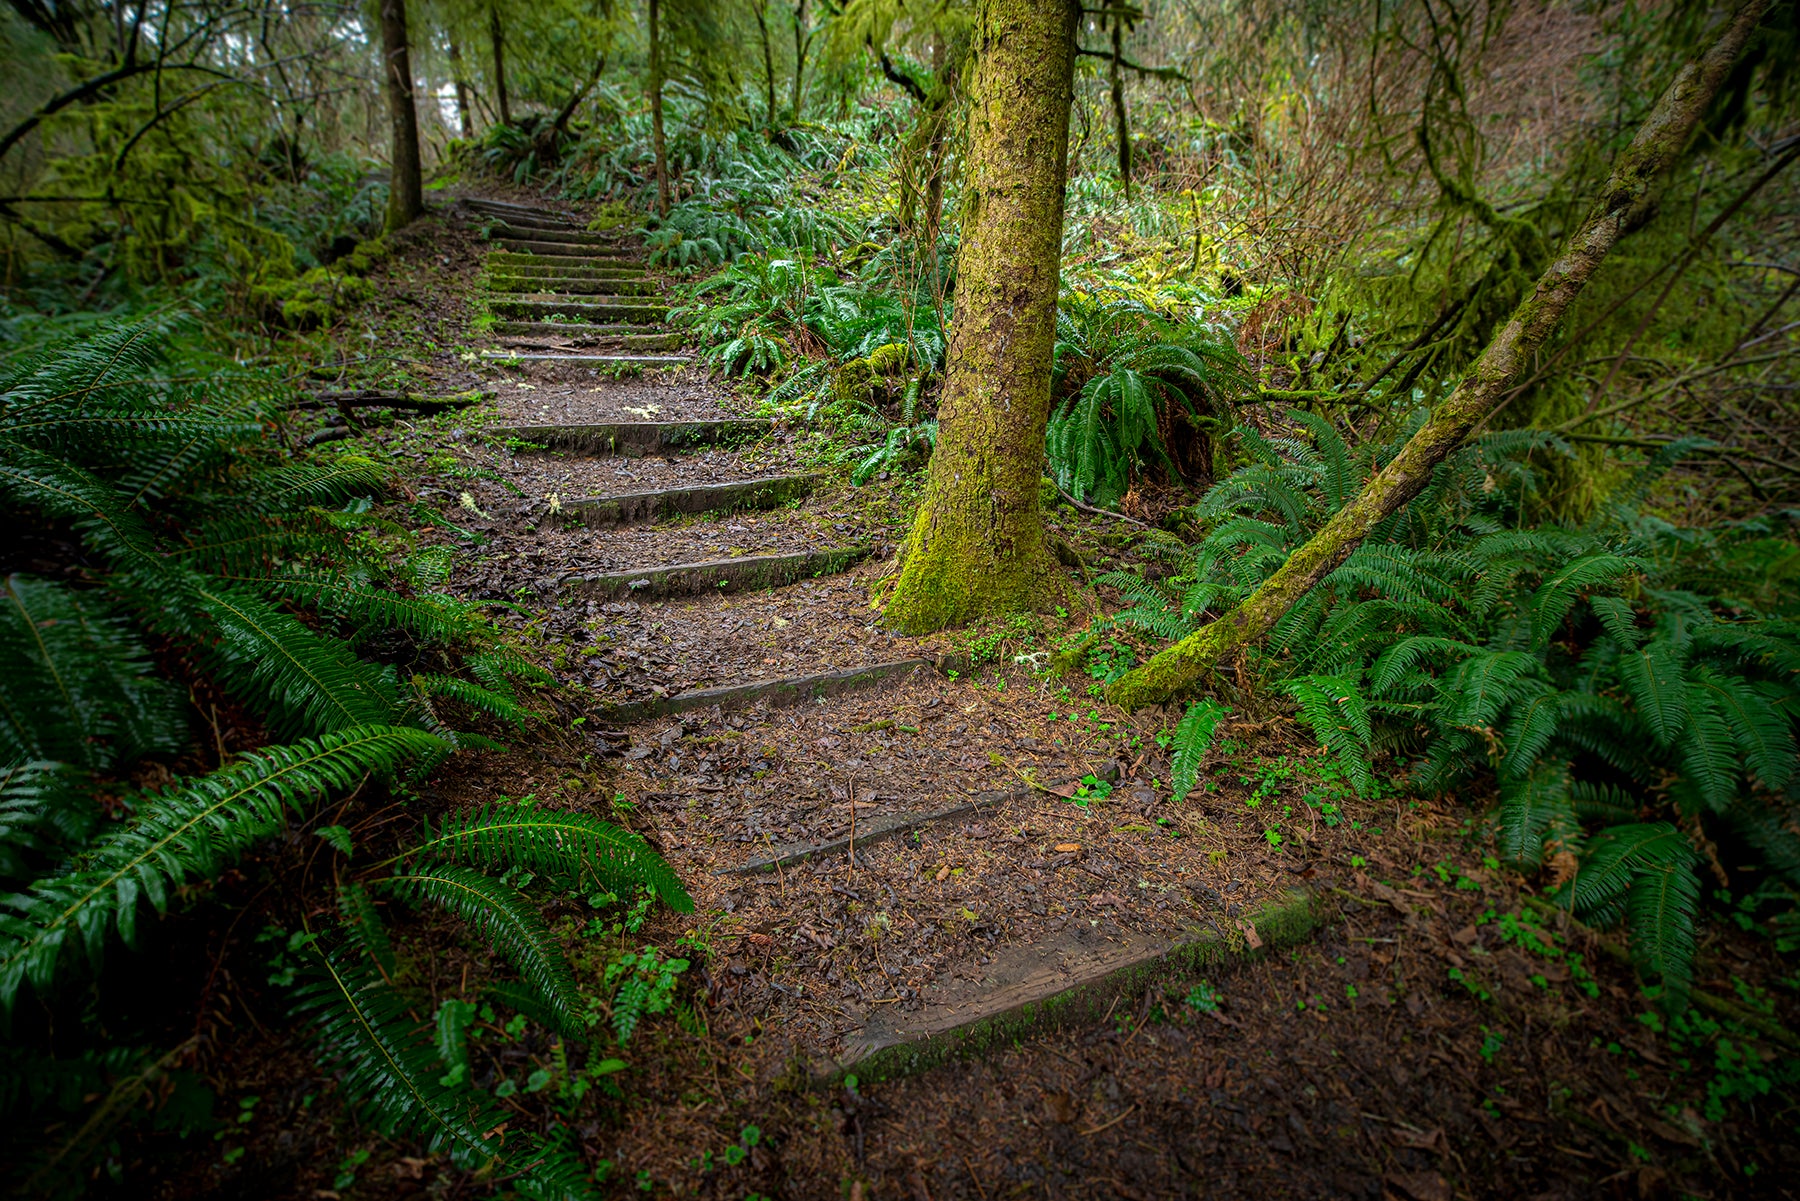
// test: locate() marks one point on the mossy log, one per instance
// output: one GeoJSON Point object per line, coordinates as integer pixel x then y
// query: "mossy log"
{"type": "Point", "coordinates": [977, 546]}
{"type": "Point", "coordinates": [1627, 201]}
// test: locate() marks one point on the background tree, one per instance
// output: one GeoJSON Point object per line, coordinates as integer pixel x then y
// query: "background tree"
{"type": "Point", "coordinates": [406, 196]}
{"type": "Point", "coordinates": [977, 544]}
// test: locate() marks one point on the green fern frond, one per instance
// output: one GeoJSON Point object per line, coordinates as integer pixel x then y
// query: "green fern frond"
{"type": "Point", "coordinates": [1534, 808]}
{"type": "Point", "coordinates": [509, 922]}
{"type": "Point", "coordinates": [1338, 713]}
{"type": "Point", "coordinates": [299, 681]}
{"type": "Point", "coordinates": [389, 1062]}
{"type": "Point", "coordinates": [1193, 735]}
{"type": "Point", "coordinates": [473, 695]}
{"type": "Point", "coordinates": [1556, 596]}
{"type": "Point", "coordinates": [189, 829]}
{"type": "Point", "coordinates": [573, 846]}
{"type": "Point", "coordinates": [366, 930]}
{"type": "Point", "coordinates": [1653, 677]}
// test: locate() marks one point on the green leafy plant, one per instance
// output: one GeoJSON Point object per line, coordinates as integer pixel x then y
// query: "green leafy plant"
{"type": "Point", "coordinates": [1628, 683]}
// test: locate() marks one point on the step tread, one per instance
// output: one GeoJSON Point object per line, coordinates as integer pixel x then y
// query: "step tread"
{"type": "Point", "coordinates": [1066, 976]}
{"type": "Point", "coordinates": [669, 360]}
{"type": "Point", "coordinates": [711, 576]}
{"type": "Point", "coordinates": [779, 690]}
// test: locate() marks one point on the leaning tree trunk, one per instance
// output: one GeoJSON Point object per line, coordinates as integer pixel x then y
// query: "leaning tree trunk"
{"type": "Point", "coordinates": [802, 43]}
{"type": "Point", "coordinates": [1121, 121]}
{"type": "Point", "coordinates": [762, 27]}
{"type": "Point", "coordinates": [497, 35]}
{"type": "Point", "coordinates": [1627, 202]}
{"type": "Point", "coordinates": [406, 195]}
{"type": "Point", "coordinates": [656, 112]}
{"type": "Point", "coordinates": [977, 545]}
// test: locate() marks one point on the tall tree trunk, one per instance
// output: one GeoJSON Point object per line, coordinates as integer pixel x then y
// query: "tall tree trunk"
{"type": "Point", "coordinates": [1120, 118]}
{"type": "Point", "coordinates": [406, 195]}
{"type": "Point", "coordinates": [762, 27]}
{"type": "Point", "coordinates": [461, 77]}
{"type": "Point", "coordinates": [945, 88]}
{"type": "Point", "coordinates": [803, 37]}
{"type": "Point", "coordinates": [656, 113]}
{"type": "Point", "coordinates": [1626, 202]}
{"type": "Point", "coordinates": [977, 546]}
{"type": "Point", "coordinates": [497, 34]}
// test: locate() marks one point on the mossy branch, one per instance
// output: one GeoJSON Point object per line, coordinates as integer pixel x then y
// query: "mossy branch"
{"type": "Point", "coordinates": [1627, 201]}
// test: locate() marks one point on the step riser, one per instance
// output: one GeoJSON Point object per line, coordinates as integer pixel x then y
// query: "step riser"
{"type": "Point", "coordinates": [579, 335]}
{"type": "Point", "coordinates": [789, 690]}
{"type": "Point", "coordinates": [526, 266]}
{"type": "Point", "coordinates": [634, 438]}
{"type": "Point", "coordinates": [878, 829]}
{"type": "Point", "coordinates": [563, 237]}
{"type": "Point", "coordinates": [510, 206]}
{"type": "Point", "coordinates": [562, 250]}
{"type": "Point", "coordinates": [706, 498]}
{"type": "Point", "coordinates": [749, 574]}
{"type": "Point", "coordinates": [596, 360]}
{"type": "Point", "coordinates": [549, 285]}
{"type": "Point", "coordinates": [624, 312]}
{"type": "Point", "coordinates": [1031, 1007]}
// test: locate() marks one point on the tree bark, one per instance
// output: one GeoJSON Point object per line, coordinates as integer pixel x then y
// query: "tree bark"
{"type": "Point", "coordinates": [497, 34]}
{"type": "Point", "coordinates": [465, 118]}
{"type": "Point", "coordinates": [802, 43]}
{"type": "Point", "coordinates": [1121, 119]}
{"type": "Point", "coordinates": [406, 195]}
{"type": "Point", "coordinates": [977, 546]}
{"type": "Point", "coordinates": [656, 111]}
{"type": "Point", "coordinates": [1626, 202]}
{"type": "Point", "coordinates": [762, 26]}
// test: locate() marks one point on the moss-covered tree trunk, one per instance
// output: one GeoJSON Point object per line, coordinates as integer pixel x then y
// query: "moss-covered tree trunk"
{"type": "Point", "coordinates": [1627, 201]}
{"type": "Point", "coordinates": [656, 110]}
{"type": "Point", "coordinates": [406, 184]}
{"type": "Point", "coordinates": [977, 546]}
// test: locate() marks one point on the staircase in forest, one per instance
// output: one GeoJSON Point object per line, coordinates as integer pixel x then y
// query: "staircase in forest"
{"type": "Point", "coordinates": [904, 853]}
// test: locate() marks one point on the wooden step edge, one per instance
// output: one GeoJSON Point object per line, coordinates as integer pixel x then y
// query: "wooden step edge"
{"type": "Point", "coordinates": [559, 250]}
{"type": "Point", "coordinates": [886, 826]}
{"type": "Point", "coordinates": [765, 492]}
{"type": "Point", "coordinates": [575, 308]}
{"type": "Point", "coordinates": [874, 830]}
{"type": "Point", "coordinates": [548, 336]}
{"type": "Point", "coordinates": [530, 289]}
{"type": "Point", "coordinates": [1049, 998]}
{"type": "Point", "coordinates": [640, 437]}
{"type": "Point", "coordinates": [747, 573]}
{"type": "Point", "coordinates": [779, 692]}
{"type": "Point", "coordinates": [599, 360]}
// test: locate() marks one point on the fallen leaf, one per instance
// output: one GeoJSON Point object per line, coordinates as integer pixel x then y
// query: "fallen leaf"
{"type": "Point", "coordinates": [1251, 937]}
{"type": "Point", "coordinates": [1067, 848]}
{"type": "Point", "coordinates": [1420, 1186]}
{"type": "Point", "coordinates": [943, 873]}
{"type": "Point", "coordinates": [761, 940]}
{"type": "Point", "coordinates": [1425, 1140]}
{"type": "Point", "coordinates": [1060, 1106]}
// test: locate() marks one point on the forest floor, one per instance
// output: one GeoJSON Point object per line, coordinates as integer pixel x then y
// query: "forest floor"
{"type": "Point", "coordinates": [1427, 1029]}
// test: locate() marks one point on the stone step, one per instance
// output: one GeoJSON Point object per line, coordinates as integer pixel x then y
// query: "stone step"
{"type": "Point", "coordinates": [509, 206]}
{"type": "Point", "coordinates": [598, 360]}
{"type": "Point", "coordinates": [875, 830]}
{"type": "Point", "coordinates": [530, 266]}
{"type": "Point", "coordinates": [543, 287]}
{"type": "Point", "coordinates": [633, 438]}
{"type": "Point", "coordinates": [783, 690]}
{"type": "Point", "coordinates": [596, 311]}
{"type": "Point", "coordinates": [1071, 976]}
{"type": "Point", "coordinates": [768, 492]}
{"type": "Point", "coordinates": [563, 237]}
{"type": "Point", "coordinates": [749, 573]}
{"type": "Point", "coordinates": [563, 250]}
{"type": "Point", "coordinates": [564, 333]}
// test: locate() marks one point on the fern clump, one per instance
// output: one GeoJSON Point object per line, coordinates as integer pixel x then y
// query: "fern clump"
{"type": "Point", "coordinates": [1622, 710]}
